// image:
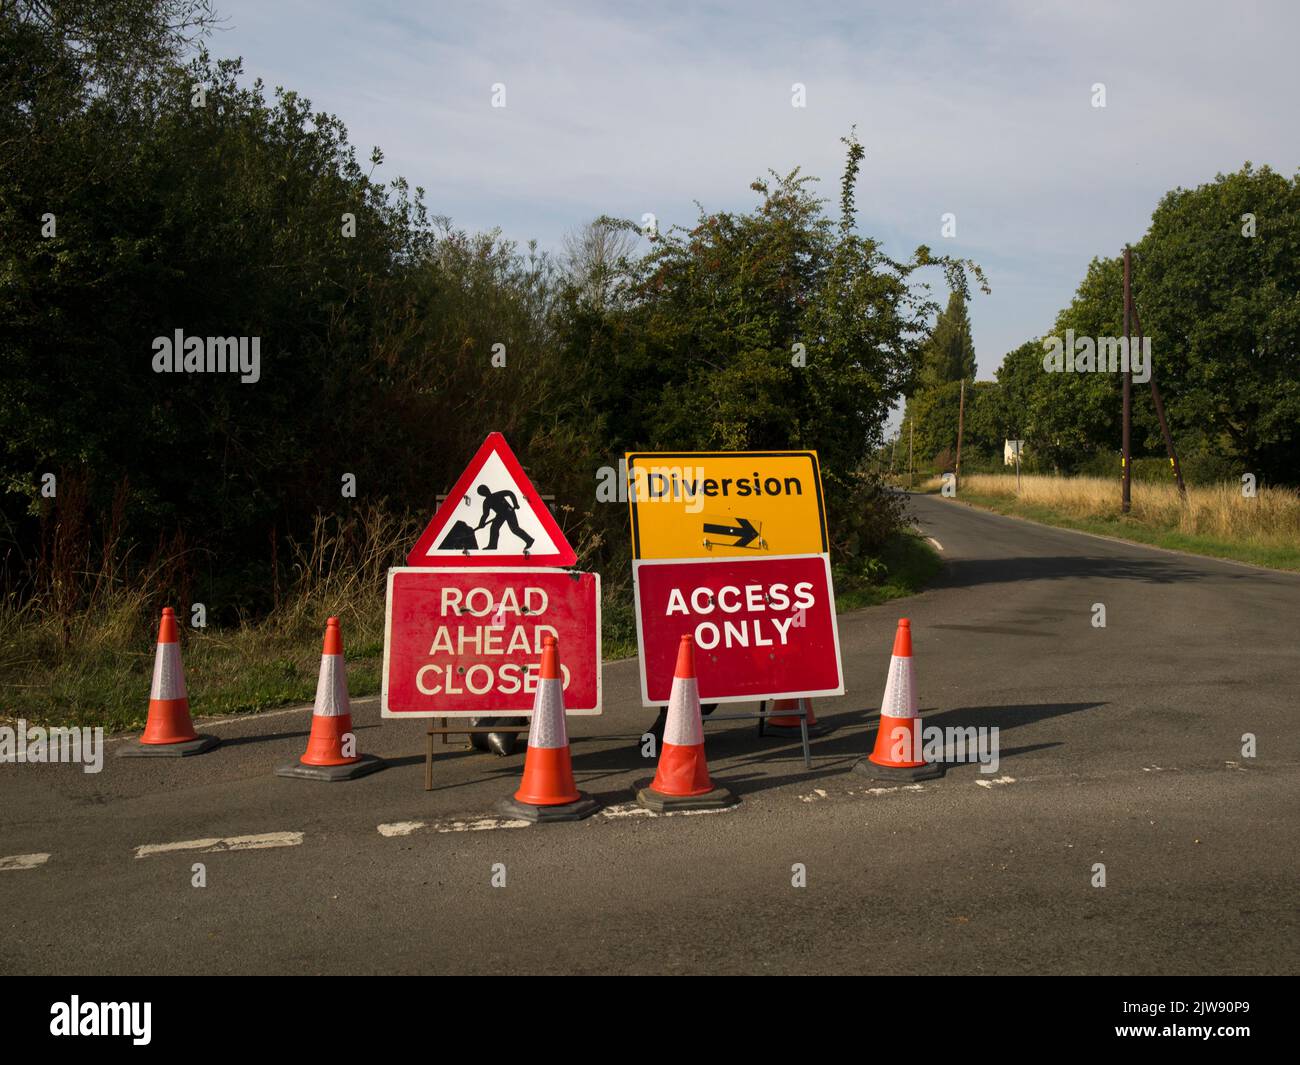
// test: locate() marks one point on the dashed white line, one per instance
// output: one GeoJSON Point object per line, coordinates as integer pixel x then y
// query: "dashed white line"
{"type": "Point", "coordinates": [23, 861]}
{"type": "Point", "coordinates": [631, 809]}
{"type": "Point", "coordinates": [937, 546]}
{"type": "Point", "coordinates": [399, 828]}
{"type": "Point", "coordinates": [481, 824]}
{"type": "Point", "coordinates": [626, 809]}
{"type": "Point", "coordinates": [896, 787]}
{"type": "Point", "coordinates": [998, 782]}
{"type": "Point", "coordinates": [223, 843]}
{"type": "Point", "coordinates": [478, 824]}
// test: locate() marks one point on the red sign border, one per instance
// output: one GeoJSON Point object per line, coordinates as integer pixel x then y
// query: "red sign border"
{"type": "Point", "coordinates": [397, 715]}
{"type": "Point", "coordinates": [746, 697]}
{"type": "Point", "coordinates": [562, 559]}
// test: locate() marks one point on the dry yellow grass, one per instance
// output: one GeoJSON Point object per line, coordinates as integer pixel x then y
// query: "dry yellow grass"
{"type": "Point", "coordinates": [1270, 519]}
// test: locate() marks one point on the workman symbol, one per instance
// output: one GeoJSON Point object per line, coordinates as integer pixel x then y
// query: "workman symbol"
{"type": "Point", "coordinates": [499, 508]}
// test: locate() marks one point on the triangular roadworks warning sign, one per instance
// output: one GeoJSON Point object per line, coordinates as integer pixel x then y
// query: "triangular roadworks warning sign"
{"type": "Point", "coordinates": [493, 517]}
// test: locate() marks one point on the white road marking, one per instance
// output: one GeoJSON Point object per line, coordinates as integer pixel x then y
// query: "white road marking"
{"type": "Point", "coordinates": [23, 861]}
{"type": "Point", "coordinates": [482, 824]}
{"type": "Point", "coordinates": [996, 783]}
{"type": "Point", "coordinates": [631, 809]}
{"type": "Point", "coordinates": [627, 809]}
{"type": "Point", "coordinates": [896, 787]}
{"type": "Point", "coordinates": [478, 824]}
{"type": "Point", "coordinates": [226, 843]}
{"type": "Point", "coordinates": [937, 546]}
{"type": "Point", "coordinates": [814, 795]}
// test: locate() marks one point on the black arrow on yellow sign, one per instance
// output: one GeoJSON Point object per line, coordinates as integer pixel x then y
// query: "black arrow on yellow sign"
{"type": "Point", "coordinates": [743, 529]}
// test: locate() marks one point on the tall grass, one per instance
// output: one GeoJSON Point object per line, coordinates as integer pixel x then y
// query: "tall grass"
{"type": "Point", "coordinates": [77, 647]}
{"type": "Point", "coordinates": [77, 642]}
{"type": "Point", "coordinates": [1271, 519]}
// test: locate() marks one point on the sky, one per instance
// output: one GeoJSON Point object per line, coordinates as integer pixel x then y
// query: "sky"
{"type": "Point", "coordinates": [983, 110]}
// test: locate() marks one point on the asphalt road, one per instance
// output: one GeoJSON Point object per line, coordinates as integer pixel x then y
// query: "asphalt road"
{"type": "Point", "coordinates": [1120, 746]}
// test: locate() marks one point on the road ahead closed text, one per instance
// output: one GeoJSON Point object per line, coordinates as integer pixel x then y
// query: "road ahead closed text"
{"type": "Point", "coordinates": [470, 641]}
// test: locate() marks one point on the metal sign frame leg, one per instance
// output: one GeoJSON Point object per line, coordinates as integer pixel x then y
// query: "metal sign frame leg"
{"type": "Point", "coordinates": [762, 718]}
{"type": "Point", "coordinates": [444, 730]}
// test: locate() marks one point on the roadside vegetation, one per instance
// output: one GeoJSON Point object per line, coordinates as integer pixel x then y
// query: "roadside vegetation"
{"type": "Point", "coordinates": [1216, 520]}
{"type": "Point", "coordinates": [134, 205]}
{"type": "Point", "coordinates": [93, 666]}
{"type": "Point", "coordinates": [1214, 280]}
{"type": "Point", "coordinates": [905, 565]}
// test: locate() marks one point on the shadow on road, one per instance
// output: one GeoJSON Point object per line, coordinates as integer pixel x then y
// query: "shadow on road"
{"type": "Point", "coordinates": [1004, 716]}
{"type": "Point", "coordinates": [743, 760]}
{"type": "Point", "coordinates": [966, 573]}
{"type": "Point", "coordinates": [261, 737]}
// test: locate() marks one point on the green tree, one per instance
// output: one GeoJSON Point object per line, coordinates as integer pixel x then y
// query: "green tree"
{"type": "Point", "coordinates": [937, 411]}
{"type": "Point", "coordinates": [949, 353]}
{"type": "Point", "coordinates": [1216, 278]}
{"type": "Point", "coordinates": [985, 427]}
{"type": "Point", "coordinates": [778, 327]}
{"type": "Point", "coordinates": [1219, 306]}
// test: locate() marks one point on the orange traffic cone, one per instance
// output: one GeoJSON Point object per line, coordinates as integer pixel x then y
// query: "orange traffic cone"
{"type": "Point", "coordinates": [897, 754]}
{"type": "Point", "coordinates": [781, 722]}
{"type": "Point", "coordinates": [169, 732]}
{"type": "Point", "coordinates": [682, 780]}
{"type": "Point", "coordinates": [331, 748]}
{"type": "Point", "coordinates": [547, 792]}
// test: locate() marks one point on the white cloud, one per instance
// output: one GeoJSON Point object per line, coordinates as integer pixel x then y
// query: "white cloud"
{"type": "Point", "coordinates": [983, 110]}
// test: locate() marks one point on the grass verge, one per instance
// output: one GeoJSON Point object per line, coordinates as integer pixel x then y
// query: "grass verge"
{"type": "Point", "coordinates": [94, 669]}
{"type": "Point", "coordinates": [1216, 522]}
{"type": "Point", "coordinates": [903, 567]}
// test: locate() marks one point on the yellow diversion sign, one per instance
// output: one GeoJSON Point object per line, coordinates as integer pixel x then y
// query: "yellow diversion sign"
{"type": "Point", "coordinates": [725, 504]}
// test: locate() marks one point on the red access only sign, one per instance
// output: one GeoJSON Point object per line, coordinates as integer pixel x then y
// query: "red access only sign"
{"type": "Point", "coordinates": [468, 642]}
{"type": "Point", "coordinates": [764, 628]}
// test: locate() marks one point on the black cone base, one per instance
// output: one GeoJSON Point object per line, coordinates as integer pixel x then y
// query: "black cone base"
{"type": "Point", "coordinates": [584, 807]}
{"type": "Point", "coordinates": [656, 802]}
{"type": "Point", "coordinates": [867, 768]}
{"type": "Point", "coordinates": [364, 766]}
{"type": "Point", "coordinates": [168, 750]}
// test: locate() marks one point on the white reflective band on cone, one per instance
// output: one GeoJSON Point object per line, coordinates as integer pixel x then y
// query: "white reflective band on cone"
{"type": "Point", "coordinates": [168, 676]}
{"type": "Point", "coordinates": [332, 688]}
{"type": "Point", "coordinates": [684, 727]}
{"type": "Point", "coordinates": [548, 728]}
{"type": "Point", "coordinates": [900, 689]}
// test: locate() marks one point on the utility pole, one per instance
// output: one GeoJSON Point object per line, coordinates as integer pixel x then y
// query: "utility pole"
{"type": "Point", "coordinates": [1160, 412]}
{"type": "Point", "coordinates": [961, 414]}
{"type": "Point", "coordinates": [911, 433]}
{"type": "Point", "coordinates": [1127, 497]}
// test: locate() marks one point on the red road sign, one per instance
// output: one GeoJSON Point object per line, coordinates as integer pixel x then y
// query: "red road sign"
{"type": "Point", "coordinates": [764, 628]}
{"type": "Point", "coordinates": [493, 516]}
{"type": "Point", "coordinates": [465, 642]}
